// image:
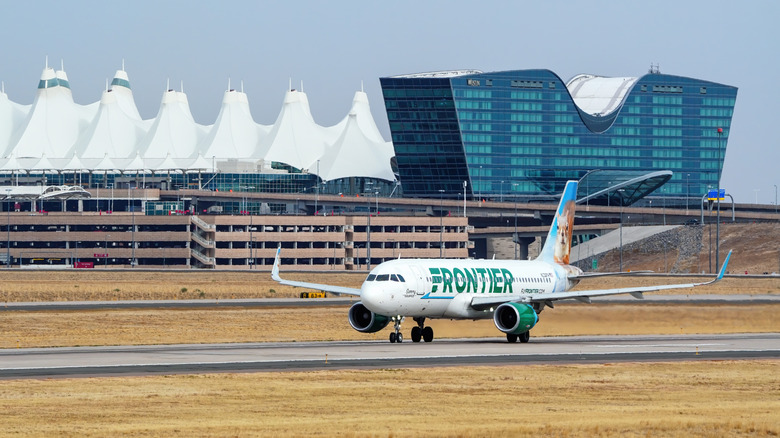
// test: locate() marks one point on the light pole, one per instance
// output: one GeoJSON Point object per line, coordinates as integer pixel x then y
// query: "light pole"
{"type": "Point", "coordinates": [516, 240]}
{"type": "Point", "coordinates": [368, 236]}
{"type": "Point", "coordinates": [317, 188]}
{"type": "Point", "coordinates": [8, 228]}
{"type": "Point", "coordinates": [479, 182]}
{"type": "Point", "coordinates": [501, 198]}
{"type": "Point", "coordinates": [132, 248]}
{"type": "Point", "coordinates": [251, 244]}
{"type": "Point", "coordinates": [687, 191]}
{"type": "Point", "coordinates": [464, 197]}
{"type": "Point", "coordinates": [717, 225]}
{"type": "Point", "coordinates": [441, 223]}
{"type": "Point", "coordinates": [775, 198]}
{"type": "Point", "coordinates": [621, 229]}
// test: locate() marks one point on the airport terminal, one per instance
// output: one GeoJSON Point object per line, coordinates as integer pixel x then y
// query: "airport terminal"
{"type": "Point", "coordinates": [475, 156]}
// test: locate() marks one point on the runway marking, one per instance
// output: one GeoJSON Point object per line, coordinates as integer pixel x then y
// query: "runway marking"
{"type": "Point", "coordinates": [657, 345]}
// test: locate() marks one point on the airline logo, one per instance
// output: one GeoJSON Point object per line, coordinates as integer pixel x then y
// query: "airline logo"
{"type": "Point", "coordinates": [471, 280]}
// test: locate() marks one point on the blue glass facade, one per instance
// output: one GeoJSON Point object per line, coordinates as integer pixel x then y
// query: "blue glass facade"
{"type": "Point", "coordinates": [519, 135]}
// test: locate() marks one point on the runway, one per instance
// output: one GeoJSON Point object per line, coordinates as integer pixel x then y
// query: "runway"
{"type": "Point", "coordinates": [298, 356]}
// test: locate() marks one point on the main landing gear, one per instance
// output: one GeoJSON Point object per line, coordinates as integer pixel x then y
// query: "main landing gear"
{"type": "Point", "coordinates": [396, 335]}
{"type": "Point", "coordinates": [524, 337]}
{"type": "Point", "coordinates": [421, 331]}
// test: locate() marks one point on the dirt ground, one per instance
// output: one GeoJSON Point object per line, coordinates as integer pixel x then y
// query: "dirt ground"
{"type": "Point", "coordinates": [754, 245]}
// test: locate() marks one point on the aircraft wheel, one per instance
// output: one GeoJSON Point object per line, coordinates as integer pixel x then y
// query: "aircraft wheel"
{"type": "Point", "coordinates": [427, 334]}
{"type": "Point", "coordinates": [399, 338]}
{"type": "Point", "coordinates": [525, 337]}
{"type": "Point", "coordinates": [416, 334]}
{"type": "Point", "coordinates": [392, 338]}
{"type": "Point", "coordinates": [511, 338]}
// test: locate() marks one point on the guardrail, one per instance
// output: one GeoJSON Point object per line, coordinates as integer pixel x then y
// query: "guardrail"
{"type": "Point", "coordinates": [206, 260]}
{"type": "Point", "coordinates": [202, 224]}
{"type": "Point", "coordinates": [203, 242]}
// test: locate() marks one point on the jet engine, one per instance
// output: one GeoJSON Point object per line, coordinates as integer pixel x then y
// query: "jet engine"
{"type": "Point", "coordinates": [366, 321]}
{"type": "Point", "coordinates": [514, 318]}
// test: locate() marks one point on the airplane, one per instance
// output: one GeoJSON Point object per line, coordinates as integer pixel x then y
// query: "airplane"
{"type": "Point", "coordinates": [511, 292]}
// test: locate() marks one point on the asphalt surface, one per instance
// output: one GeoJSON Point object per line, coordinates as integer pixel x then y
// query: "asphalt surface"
{"type": "Point", "coordinates": [297, 356]}
{"type": "Point", "coordinates": [295, 302]}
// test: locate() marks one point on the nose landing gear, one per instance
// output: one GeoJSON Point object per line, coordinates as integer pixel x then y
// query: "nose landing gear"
{"type": "Point", "coordinates": [396, 335]}
{"type": "Point", "coordinates": [421, 331]}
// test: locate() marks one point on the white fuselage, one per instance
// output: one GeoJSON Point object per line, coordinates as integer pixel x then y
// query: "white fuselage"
{"type": "Point", "coordinates": [444, 288]}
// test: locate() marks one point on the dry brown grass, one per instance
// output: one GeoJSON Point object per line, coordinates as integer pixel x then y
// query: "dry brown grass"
{"type": "Point", "coordinates": [711, 399]}
{"type": "Point", "coordinates": [141, 327]}
{"type": "Point", "coordinates": [24, 286]}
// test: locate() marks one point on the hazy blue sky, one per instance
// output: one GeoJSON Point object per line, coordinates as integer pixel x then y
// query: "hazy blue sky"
{"type": "Point", "coordinates": [334, 45]}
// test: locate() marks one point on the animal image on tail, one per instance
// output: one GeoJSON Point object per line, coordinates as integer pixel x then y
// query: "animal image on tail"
{"type": "Point", "coordinates": [565, 221]}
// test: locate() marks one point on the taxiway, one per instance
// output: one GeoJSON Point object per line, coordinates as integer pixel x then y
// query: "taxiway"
{"type": "Point", "coordinates": [299, 356]}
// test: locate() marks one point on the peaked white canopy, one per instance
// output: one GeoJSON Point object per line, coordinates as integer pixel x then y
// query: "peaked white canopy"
{"type": "Point", "coordinates": [234, 135]}
{"type": "Point", "coordinates": [354, 146]}
{"type": "Point", "coordinates": [295, 138]}
{"type": "Point", "coordinates": [174, 131]}
{"type": "Point", "coordinates": [109, 136]}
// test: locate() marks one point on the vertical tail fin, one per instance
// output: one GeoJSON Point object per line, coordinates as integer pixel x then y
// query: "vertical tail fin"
{"type": "Point", "coordinates": [558, 244]}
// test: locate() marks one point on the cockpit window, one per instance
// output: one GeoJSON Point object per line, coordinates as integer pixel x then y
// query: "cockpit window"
{"type": "Point", "coordinates": [393, 277]}
{"type": "Point", "coordinates": [401, 279]}
{"type": "Point", "coordinates": [383, 277]}
{"type": "Point", "coordinates": [370, 277]}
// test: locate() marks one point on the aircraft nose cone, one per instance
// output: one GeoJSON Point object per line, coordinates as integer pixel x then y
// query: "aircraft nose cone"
{"type": "Point", "coordinates": [371, 296]}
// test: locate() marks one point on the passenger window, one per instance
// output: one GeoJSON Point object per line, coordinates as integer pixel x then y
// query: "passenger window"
{"type": "Point", "coordinates": [370, 277]}
{"type": "Point", "coordinates": [383, 277]}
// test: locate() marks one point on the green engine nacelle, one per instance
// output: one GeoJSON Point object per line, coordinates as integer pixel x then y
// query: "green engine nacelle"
{"type": "Point", "coordinates": [366, 321]}
{"type": "Point", "coordinates": [515, 318]}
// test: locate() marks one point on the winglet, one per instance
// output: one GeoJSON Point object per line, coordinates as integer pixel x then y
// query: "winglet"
{"type": "Point", "coordinates": [723, 268]}
{"type": "Point", "coordinates": [275, 269]}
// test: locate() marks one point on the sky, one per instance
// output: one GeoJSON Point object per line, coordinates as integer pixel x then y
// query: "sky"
{"type": "Point", "coordinates": [336, 47]}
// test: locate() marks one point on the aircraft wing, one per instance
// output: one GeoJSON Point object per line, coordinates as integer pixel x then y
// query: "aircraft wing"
{"type": "Point", "coordinates": [481, 303]}
{"type": "Point", "coordinates": [323, 287]}
{"type": "Point", "coordinates": [606, 274]}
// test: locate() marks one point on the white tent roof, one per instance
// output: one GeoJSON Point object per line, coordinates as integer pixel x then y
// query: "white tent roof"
{"type": "Point", "coordinates": [365, 120]}
{"type": "Point", "coordinates": [354, 154]}
{"type": "Point", "coordinates": [174, 131]}
{"type": "Point", "coordinates": [54, 122]}
{"type": "Point", "coordinates": [43, 164]}
{"type": "Point", "coordinates": [12, 164]}
{"type": "Point", "coordinates": [234, 135]}
{"type": "Point", "coordinates": [120, 85]}
{"type": "Point", "coordinates": [113, 131]}
{"type": "Point", "coordinates": [200, 164]}
{"type": "Point", "coordinates": [168, 164]}
{"type": "Point", "coordinates": [598, 95]}
{"type": "Point", "coordinates": [110, 135]}
{"type": "Point", "coordinates": [12, 116]}
{"type": "Point", "coordinates": [295, 139]}
{"type": "Point", "coordinates": [106, 165]}
{"type": "Point", "coordinates": [136, 165]}
{"type": "Point", "coordinates": [74, 164]}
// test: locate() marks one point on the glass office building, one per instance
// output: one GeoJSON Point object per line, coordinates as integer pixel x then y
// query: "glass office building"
{"type": "Point", "coordinates": [521, 134]}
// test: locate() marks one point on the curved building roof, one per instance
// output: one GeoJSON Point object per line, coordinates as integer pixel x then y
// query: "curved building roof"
{"type": "Point", "coordinates": [598, 95]}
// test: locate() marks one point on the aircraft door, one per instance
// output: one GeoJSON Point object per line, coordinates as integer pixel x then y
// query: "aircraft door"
{"type": "Point", "coordinates": [419, 279]}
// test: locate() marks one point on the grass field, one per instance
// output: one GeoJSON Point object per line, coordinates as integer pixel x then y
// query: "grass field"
{"type": "Point", "coordinates": [24, 285]}
{"type": "Point", "coordinates": [710, 399]}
